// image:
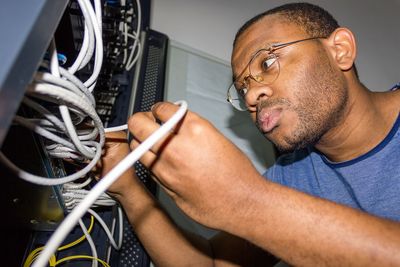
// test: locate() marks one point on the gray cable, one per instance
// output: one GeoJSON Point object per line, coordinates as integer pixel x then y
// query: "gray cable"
{"type": "Point", "coordinates": [71, 131]}
{"type": "Point", "coordinates": [43, 132]}
{"type": "Point", "coordinates": [86, 135]}
{"type": "Point", "coordinates": [91, 243]}
{"type": "Point", "coordinates": [65, 83]}
{"type": "Point", "coordinates": [44, 112]}
{"type": "Point", "coordinates": [78, 83]}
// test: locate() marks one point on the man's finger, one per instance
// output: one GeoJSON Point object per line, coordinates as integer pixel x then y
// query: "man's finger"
{"type": "Point", "coordinates": [150, 161]}
{"type": "Point", "coordinates": [164, 110]}
{"type": "Point", "coordinates": [142, 125]}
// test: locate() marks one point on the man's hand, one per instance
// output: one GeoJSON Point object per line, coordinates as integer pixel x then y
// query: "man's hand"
{"type": "Point", "coordinates": [115, 149]}
{"type": "Point", "coordinates": [208, 177]}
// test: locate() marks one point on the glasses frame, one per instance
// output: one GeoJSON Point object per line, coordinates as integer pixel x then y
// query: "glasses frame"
{"type": "Point", "coordinates": [271, 48]}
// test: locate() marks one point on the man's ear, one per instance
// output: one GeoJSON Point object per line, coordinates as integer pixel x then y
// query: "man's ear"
{"type": "Point", "coordinates": [342, 46]}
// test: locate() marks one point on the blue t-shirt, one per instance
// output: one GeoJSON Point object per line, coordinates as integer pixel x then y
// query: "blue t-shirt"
{"type": "Point", "coordinates": [370, 182]}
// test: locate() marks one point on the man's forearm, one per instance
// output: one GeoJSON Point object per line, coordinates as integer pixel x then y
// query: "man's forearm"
{"type": "Point", "coordinates": [309, 231]}
{"type": "Point", "coordinates": [164, 241]}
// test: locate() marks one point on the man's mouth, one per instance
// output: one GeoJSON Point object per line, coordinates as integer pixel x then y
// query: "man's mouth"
{"type": "Point", "coordinates": [267, 119]}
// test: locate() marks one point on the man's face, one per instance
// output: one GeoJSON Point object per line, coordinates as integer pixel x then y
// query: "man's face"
{"type": "Point", "coordinates": [309, 96]}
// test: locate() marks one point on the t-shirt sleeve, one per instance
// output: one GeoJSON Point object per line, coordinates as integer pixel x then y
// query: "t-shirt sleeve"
{"type": "Point", "coordinates": [274, 173]}
{"type": "Point", "coordinates": [279, 172]}
{"type": "Point", "coordinates": [295, 170]}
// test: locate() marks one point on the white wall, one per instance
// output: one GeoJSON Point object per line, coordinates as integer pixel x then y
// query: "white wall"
{"type": "Point", "coordinates": [210, 26]}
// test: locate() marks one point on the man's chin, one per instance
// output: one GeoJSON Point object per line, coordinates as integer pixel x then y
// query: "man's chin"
{"type": "Point", "coordinates": [284, 149]}
{"type": "Point", "coordinates": [285, 146]}
{"type": "Point", "coordinates": [289, 147]}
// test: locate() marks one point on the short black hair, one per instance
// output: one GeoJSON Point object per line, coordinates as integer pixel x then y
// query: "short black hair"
{"type": "Point", "coordinates": [314, 20]}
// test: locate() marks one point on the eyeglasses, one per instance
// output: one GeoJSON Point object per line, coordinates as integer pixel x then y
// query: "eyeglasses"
{"type": "Point", "coordinates": [263, 68]}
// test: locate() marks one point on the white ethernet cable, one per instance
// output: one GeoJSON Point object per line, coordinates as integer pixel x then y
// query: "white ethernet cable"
{"type": "Point", "coordinates": [73, 135]}
{"type": "Point", "coordinates": [124, 29]}
{"type": "Point", "coordinates": [68, 81]}
{"type": "Point", "coordinates": [131, 61]}
{"type": "Point", "coordinates": [121, 232]}
{"type": "Point", "coordinates": [95, 24]}
{"type": "Point", "coordinates": [107, 230]}
{"type": "Point", "coordinates": [98, 11]}
{"type": "Point", "coordinates": [91, 243]}
{"type": "Point", "coordinates": [91, 15]}
{"type": "Point", "coordinates": [87, 49]}
{"type": "Point", "coordinates": [69, 222]}
{"type": "Point", "coordinates": [43, 132]}
{"type": "Point", "coordinates": [50, 117]}
{"type": "Point", "coordinates": [116, 128]}
{"type": "Point", "coordinates": [92, 39]}
{"type": "Point", "coordinates": [88, 44]}
{"type": "Point", "coordinates": [78, 83]}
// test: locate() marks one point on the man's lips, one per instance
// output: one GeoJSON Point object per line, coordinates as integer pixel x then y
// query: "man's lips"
{"type": "Point", "coordinates": [268, 119]}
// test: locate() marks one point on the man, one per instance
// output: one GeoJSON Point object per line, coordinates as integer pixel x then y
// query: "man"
{"type": "Point", "coordinates": [332, 198]}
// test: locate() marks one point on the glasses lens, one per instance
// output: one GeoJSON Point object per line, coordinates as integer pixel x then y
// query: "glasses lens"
{"type": "Point", "coordinates": [236, 99]}
{"type": "Point", "coordinates": [264, 67]}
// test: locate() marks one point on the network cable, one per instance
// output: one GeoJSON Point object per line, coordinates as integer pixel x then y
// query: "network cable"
{"type": "Point", "coordinates": [107, 230]}
{"type": "Point", "coordinates": [91, 243]}
{"type": "Point", "coordinates": [90, 14]}
{"type": "Point", "coordinates": [113, 223]}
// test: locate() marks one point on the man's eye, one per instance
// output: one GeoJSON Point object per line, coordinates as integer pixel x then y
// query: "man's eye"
{"type": "Point", "coordinates": [242, 91]}
{"type": "Point", "coordinates": [267, 63]}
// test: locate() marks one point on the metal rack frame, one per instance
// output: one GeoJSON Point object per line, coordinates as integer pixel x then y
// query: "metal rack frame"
{"type": "Point", "coordinates": [27, 28]}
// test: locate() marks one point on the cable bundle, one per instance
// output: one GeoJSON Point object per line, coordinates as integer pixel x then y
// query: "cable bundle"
{"type": "Point", "coordinates": [131, 38]}
{"type": "Point", "coordinates": [69, 123]}
{"type": "Point", "coordinates": [74, 193]}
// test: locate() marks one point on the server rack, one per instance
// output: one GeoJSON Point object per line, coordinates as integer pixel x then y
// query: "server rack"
{"type": "Point", "coordinates": [32, 212]}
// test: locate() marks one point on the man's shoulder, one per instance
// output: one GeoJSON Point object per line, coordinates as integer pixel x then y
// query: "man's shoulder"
{"type": "Point", "coordinates": [388, 102]}
{"type": "Point", "coordinates": [291, 162]}
{"type": "Point", "coordinates": [397, 99]}
{"type": "Point", "coordinates": [395, 95]}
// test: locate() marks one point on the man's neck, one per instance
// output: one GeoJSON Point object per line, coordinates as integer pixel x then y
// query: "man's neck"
{"type": "Point", "coordinates": [367, 120]}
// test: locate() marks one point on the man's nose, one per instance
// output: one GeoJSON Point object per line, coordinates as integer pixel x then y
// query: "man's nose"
{"type": "Point", "coordinates": [256, 92]}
